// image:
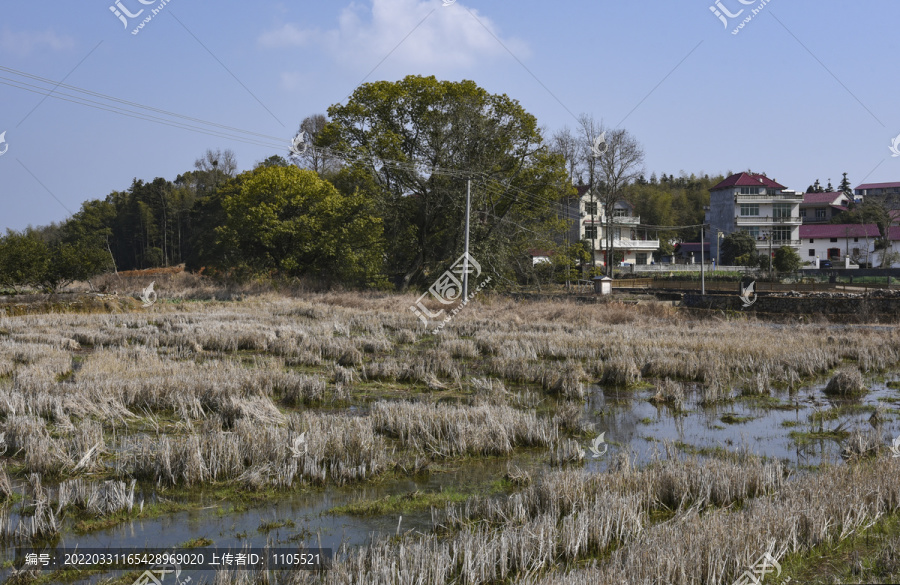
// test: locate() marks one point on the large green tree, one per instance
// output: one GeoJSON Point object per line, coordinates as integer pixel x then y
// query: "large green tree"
{"type": "Point", "coordinates": [738, 247]}
{"type": "Point", "coordinates": [786, 259]}
{"type": "Point", "coordinates": [464, 131]}
{"type": "Point", "coordinates": [42, 259]}
{"type": "Point", "coordinates": [289, 222]}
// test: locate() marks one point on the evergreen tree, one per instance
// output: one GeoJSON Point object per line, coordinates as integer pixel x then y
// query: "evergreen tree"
{"type": "Point", "coordinates": [846, 189]}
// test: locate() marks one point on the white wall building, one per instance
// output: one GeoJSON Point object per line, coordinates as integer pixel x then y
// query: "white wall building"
{"type": "Point", "coordinates": [639, 245]}
{"type": "Point", "coordinates": [835, 242]}
{"type": "Point", "coordinates": [893, 249]}
{"type": "Point", "coordinates": [877, 189]}
{"type": "Point", "coordinates": [757, 205]}
{"type": "Point", "coordinates": [822, 207]}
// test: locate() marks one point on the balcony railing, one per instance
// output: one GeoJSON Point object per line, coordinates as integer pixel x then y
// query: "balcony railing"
{"type": "Point", "coordinates": [627, 220]}
{"type": "Point", "coordinates": [628, 244]}
{"type": "Point", "coordinates": [779, 197]}
{"type": "Point", "coordinates": [764, 244]}
{"type": "Point", "coordinates": [616, 220]}
{"type": "Point", "coordinates": [743, 220]}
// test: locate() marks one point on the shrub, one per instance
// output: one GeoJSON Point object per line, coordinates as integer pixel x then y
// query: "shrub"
{"type": "Point", "coordinates": [847, 382]}
{"type": "Point", "coordinates": [786, 259]}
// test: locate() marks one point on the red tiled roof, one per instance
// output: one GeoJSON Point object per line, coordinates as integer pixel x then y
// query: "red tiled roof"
{"type": "Point", "coordinates": [894, 233]}
{"type": "Point", "coordinates": [822, 198]}
{"type": "Point", "coordinates": [878, 185]}
{"type": "Point", "coordinates": [840, 207]}
{"type": "Point", "coordinates": [839, 230]}
{"type": "Point", "coordinates": [747, 180]}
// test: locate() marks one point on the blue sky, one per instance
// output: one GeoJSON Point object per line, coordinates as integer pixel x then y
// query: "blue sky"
{"type": "Point", "coordinates": [803, 91]}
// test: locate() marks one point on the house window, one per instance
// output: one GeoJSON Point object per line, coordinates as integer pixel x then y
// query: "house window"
{"type": "Point", "coordinates": [781, 210]}
{"type": "Point", "coordinates": [749, 209]}
{"type": "Point", "coordinates": [753, 231]}
{"type": "Point", "coordinates": [855, 239]}
{"type": "Point", "coordinates": [590, 208]}
{"type": "Point", "coordinates": [641, 258]}
{"type": "Point", "coordinates": [590, 232]}
{"type": "Point", "coordinates": [856, 252]}
{"type": "Point", "coordinates": [812, 241]}
{"type": "Point", "coordinates": [752, 190]}
{"type": "Point", "coordinates": [620, 213]}
{"type": "Point", "coordinates": [820, 214]}
{"type": "Point", "coordinates": [803, 213]}
{"type": "Point", "coordinates": [781, 234]}
{"type": "Point", "coordinates": [812, 252]}
{"type": "Point", "coordinates": [834, 240]}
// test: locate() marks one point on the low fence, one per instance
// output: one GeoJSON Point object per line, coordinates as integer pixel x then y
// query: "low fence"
{"type": "Point", "coordinates": [734, 287]}
{"type": "Point", "coordinates": [680, 268]}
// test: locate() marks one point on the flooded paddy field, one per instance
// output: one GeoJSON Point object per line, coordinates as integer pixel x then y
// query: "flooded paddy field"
{"type": "Point", "coordinates": [528, 443]}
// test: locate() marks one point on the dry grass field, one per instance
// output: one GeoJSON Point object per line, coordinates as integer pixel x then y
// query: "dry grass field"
{"type": "Point", "coordinates": [104, 413]}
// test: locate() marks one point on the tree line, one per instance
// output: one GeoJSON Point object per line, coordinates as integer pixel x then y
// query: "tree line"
{"type": "Point", "coordinates": [379, 202]}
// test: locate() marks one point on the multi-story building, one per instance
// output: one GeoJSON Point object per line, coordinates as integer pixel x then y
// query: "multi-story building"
{"type": "Point", "coordinates": [822, 207]}
{"type": "Point", "coordinates": [638, 245]}
{"type": "Point", "coordinates": [876, 189]}
{"type": "Point", "coordinates": [757, 205]}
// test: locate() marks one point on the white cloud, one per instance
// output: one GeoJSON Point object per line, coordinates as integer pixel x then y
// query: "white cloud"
{"type": "Point", "coordinates": [435, 35]}
{"type": "Point", "coordinates": [24, 43]}
{"type": "Point", "coordinates": [286, 36]}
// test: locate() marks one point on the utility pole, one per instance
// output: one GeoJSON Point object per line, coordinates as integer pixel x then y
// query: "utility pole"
{"type": "Point", "coordinates": [465, 290]}
{"type": "Point", "coordinates": [595, 156]}
{"type": "Point", "coordinates": [702, 260]}
{"type": "Point", "coordinates": [593, 222]}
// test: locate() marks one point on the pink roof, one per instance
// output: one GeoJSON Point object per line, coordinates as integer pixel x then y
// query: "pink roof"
{"type": "Point", "coordinates": [748, 180]}
{"type": "Point", "coordinates": [894, 233]}
{"type": "Point", "coordinates": [839, 230]}
{"type": "Point", "coordinates": [822, 198]}
{"type": "Point", "coordinates": [878, 185]}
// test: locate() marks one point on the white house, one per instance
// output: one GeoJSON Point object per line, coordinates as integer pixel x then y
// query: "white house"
{"type": "Point", "coordinates": [893, 246]}
{"type": "Point", "coordinates": [758, 205]}
{"type": "Point", "coordinates": [835, 242]}
{"type": "Point", "coordinates": [822, 207]}
{"type": "Point", "coordinates": [639, 245]}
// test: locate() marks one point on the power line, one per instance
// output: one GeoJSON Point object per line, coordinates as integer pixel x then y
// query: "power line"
{"type": "Point", "coordinates": [135, 115]}
{"type": "Point", "coordinates": [224, 130]}
{"type": "Point", "coordinates": [137, 111]}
